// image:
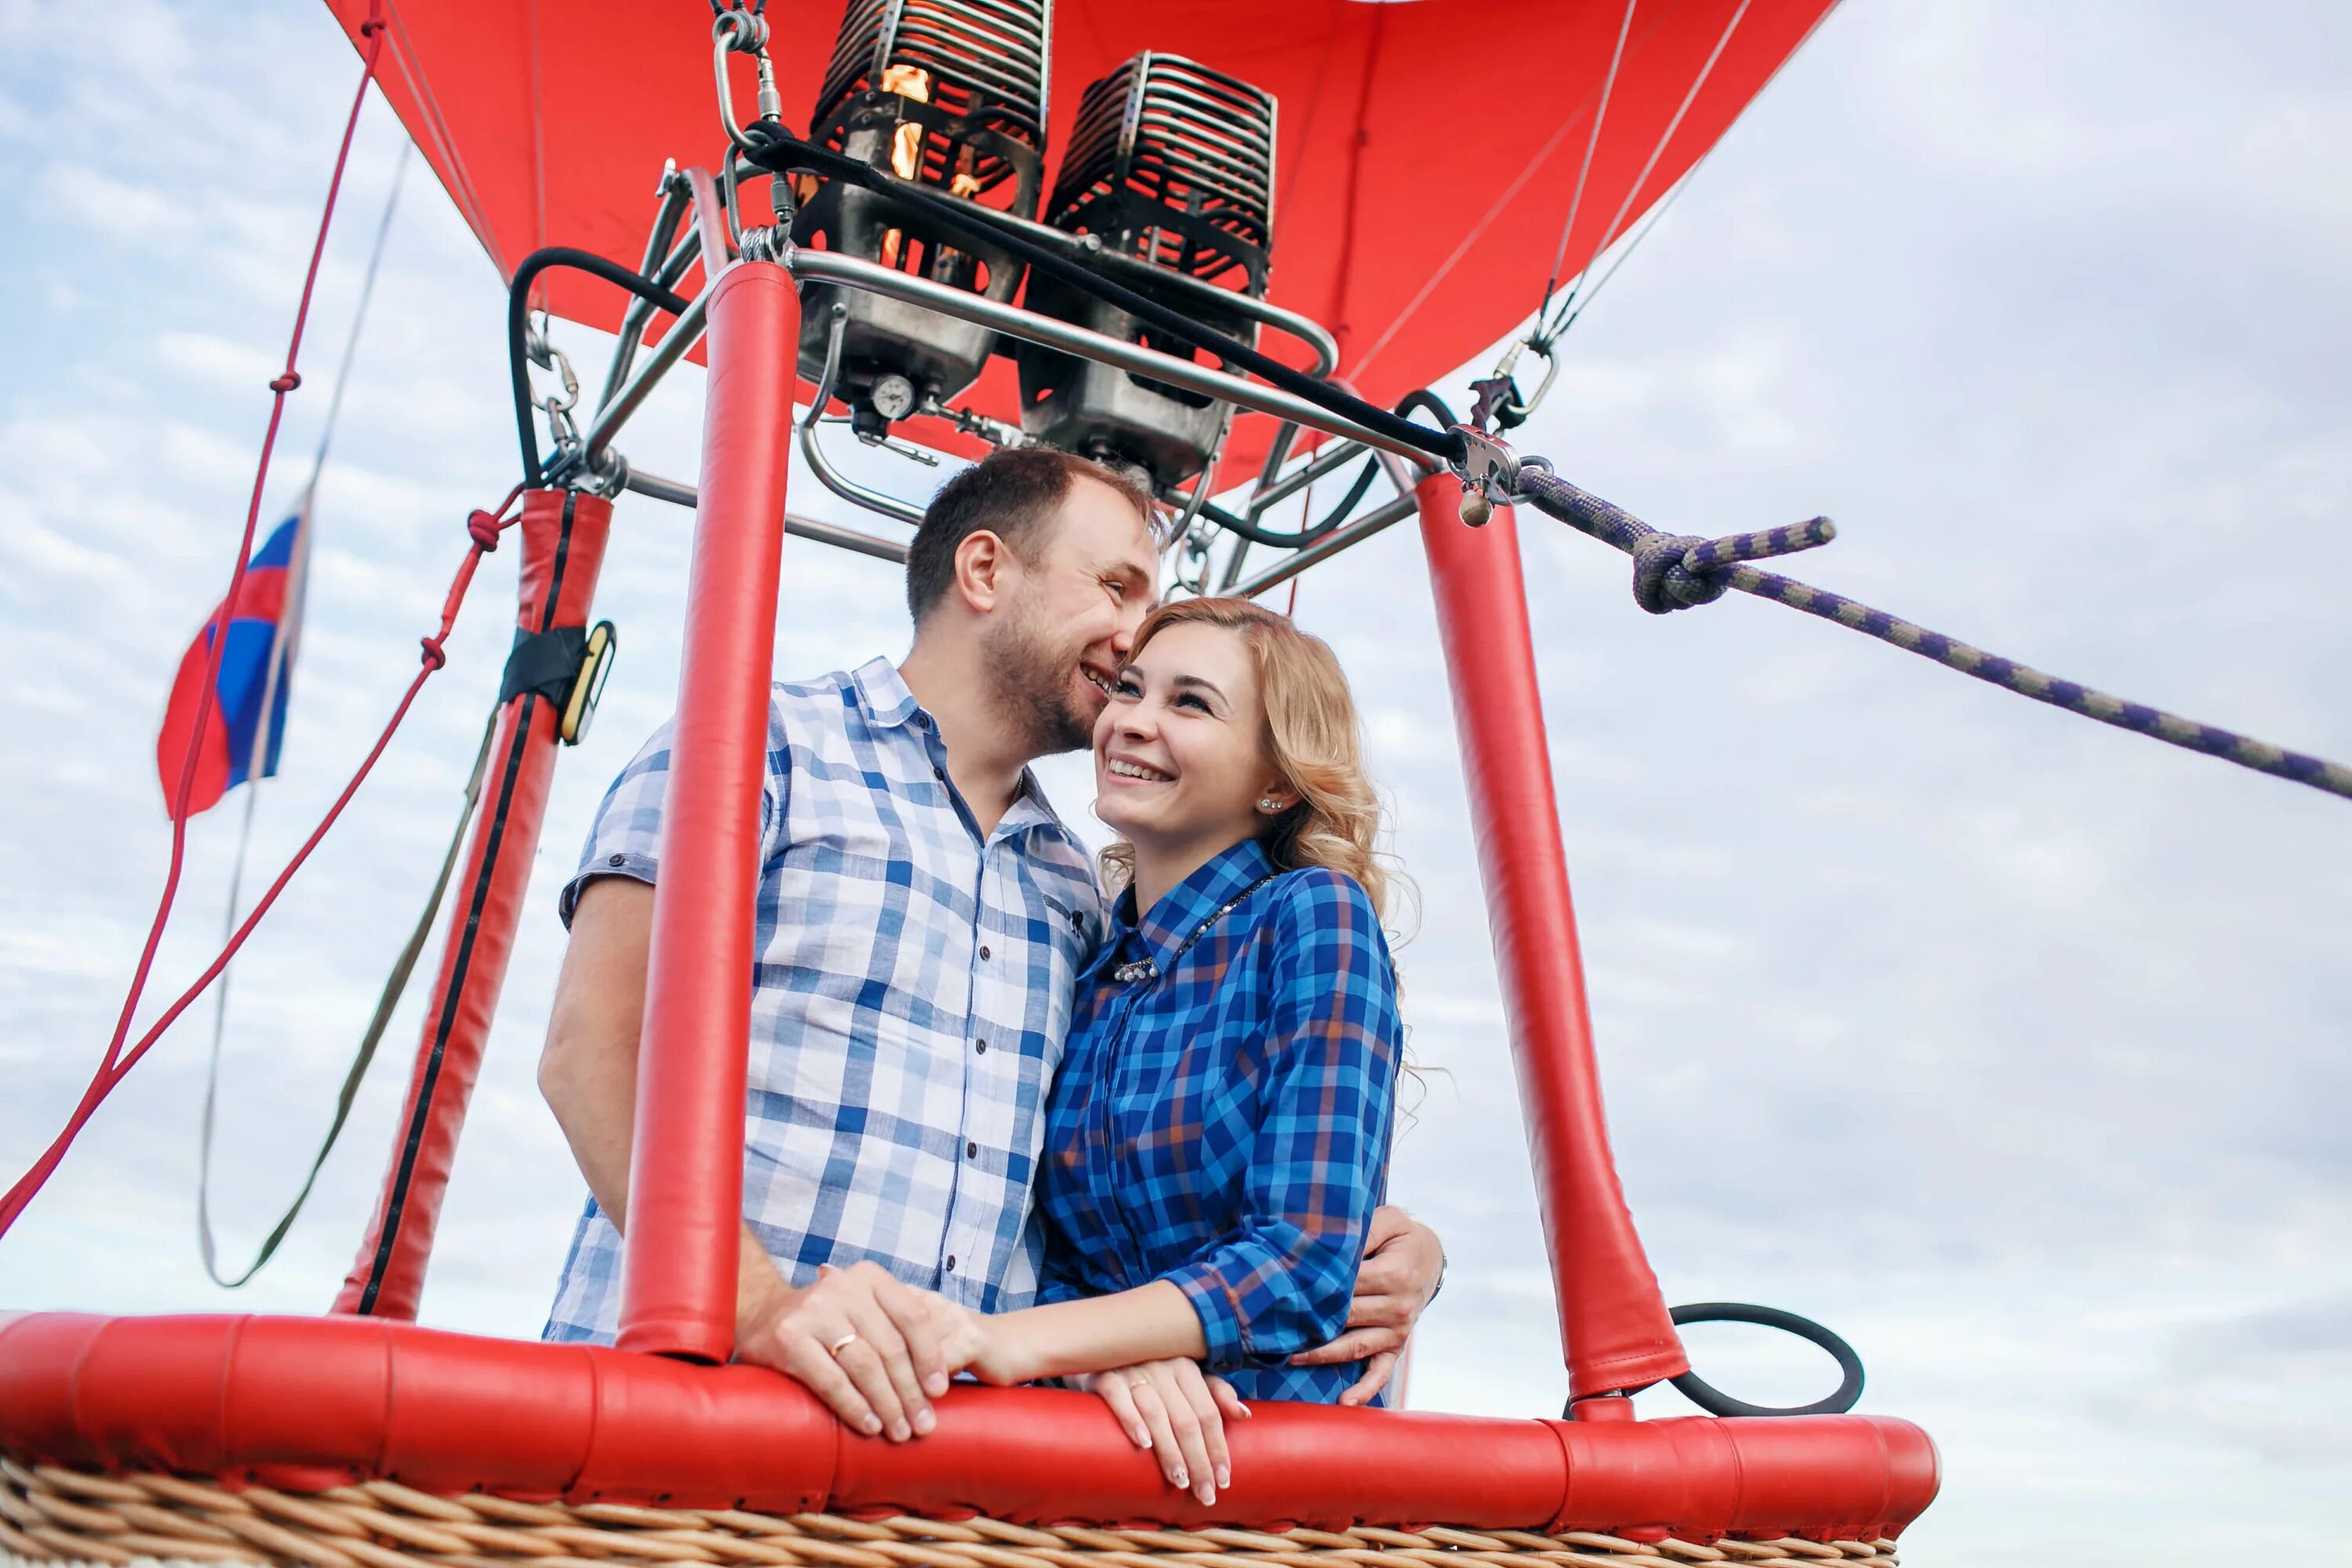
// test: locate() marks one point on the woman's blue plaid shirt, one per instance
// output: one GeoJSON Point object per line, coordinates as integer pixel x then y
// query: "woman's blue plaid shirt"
{"type": "Point", "coordinates": [1223, 1123]}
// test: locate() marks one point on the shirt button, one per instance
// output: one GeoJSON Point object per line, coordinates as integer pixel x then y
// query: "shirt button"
{"type": "Point", "coordinates": [617, 860]}
{"type": "Point", "coordinates": [951, 1262]}
{"type": "Point", "coordinates": [980, 1048]}
{"type": "Point", "coordinates": [972, 1150]}
{"type": "Point", "coordinates": [940, 773]}
{"type": "Point", "coordinates": [983, 952]}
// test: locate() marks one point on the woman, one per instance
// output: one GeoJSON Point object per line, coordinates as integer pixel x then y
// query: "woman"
{"type": "Point", "coordinates": [1217, 1137]}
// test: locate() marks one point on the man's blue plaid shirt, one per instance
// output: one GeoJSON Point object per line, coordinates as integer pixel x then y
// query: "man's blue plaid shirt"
{"type": "Point", "coordinates": [1223, 1123]}
{"type": "Point", "coordinates": [911, 998]}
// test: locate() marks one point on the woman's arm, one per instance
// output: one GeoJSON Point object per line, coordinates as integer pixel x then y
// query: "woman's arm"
{"type": "Point", "coordinates": [1061, 1338]}
{"type": "Point", "coordinates": [1280, 1282]}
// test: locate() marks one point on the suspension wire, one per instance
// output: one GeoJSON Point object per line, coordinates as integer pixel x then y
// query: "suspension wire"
{"type": "Point", "coordinates": [1633, 191]}
{"type": "Point", "coordinates": [280, 654]}
{"type": "Point", "coordinates": [1576, 201]}
{"type": "Point", "coordinates": [1559, 328]}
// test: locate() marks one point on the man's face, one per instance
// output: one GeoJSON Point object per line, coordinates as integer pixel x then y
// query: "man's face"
{"type": "Point", "coordinates": [1056, 647]}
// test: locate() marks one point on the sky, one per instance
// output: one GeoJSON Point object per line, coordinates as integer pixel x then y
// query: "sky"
{"type": "Point", "coordinates": [2012, 1046]}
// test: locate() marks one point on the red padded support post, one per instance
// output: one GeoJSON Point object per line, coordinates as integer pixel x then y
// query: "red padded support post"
{"type": "Point", "coordinates": [686, 1166]}
{"type": "Point", "coordinates": [562, 535]}
{"type": "Point", "coordinates": [1614, 1331]}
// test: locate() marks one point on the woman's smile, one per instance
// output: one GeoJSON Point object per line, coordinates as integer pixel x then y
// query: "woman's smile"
{"type": "Point", "coordinates": [1127, 770]}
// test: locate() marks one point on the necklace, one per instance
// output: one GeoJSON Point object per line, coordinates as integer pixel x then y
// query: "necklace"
{"type": "Point", "coordinates": [1145, 969]}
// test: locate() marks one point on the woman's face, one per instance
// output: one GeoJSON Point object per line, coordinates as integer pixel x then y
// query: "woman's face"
{"type": "Point", "coordinates": [1180, 752]}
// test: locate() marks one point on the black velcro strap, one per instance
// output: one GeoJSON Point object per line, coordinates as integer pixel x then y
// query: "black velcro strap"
{"type": "Point", "coordinates": [545, 662]}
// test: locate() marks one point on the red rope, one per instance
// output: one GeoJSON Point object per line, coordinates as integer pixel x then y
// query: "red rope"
{"type": "Point", "coordinates": [111, 1071]}
{"type": "Point", "coordinates": [217, 640]}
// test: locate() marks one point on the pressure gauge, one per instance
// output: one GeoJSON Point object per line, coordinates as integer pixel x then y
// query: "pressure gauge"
{"type": "Point", "coordinates": [893, 396]}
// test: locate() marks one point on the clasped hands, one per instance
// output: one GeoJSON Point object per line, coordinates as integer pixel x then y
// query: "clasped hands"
{"type": "Point", "coordinates": [877, 1351]}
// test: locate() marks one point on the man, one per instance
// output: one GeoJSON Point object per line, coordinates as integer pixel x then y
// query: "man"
{"type": "Point", "coordinates": [922, 918]}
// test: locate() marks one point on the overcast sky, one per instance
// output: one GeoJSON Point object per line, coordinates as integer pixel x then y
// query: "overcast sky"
{"type": "Point", "coordinates": [2012, 1046]}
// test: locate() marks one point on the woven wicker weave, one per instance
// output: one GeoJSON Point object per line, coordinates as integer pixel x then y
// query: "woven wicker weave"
{"type": "Point", "coordinates": [51, 1515]}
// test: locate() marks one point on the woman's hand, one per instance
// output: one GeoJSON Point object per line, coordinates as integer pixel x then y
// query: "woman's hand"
{"type": "Point", "coordinates": [1174, 1408]}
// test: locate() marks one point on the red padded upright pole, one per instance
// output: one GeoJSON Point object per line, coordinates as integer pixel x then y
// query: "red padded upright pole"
{"type": "Point", "coordinates": [562, 535]}
{"type": "Point", "coordinates": [1614, 1331]}
{"type": "Point", "coordinates": [686, 1167]}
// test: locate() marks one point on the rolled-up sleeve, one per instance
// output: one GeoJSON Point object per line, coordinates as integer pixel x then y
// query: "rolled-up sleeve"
{"type": "Point", "coordinates": [625, 839]}
{"type": "Point", "coordinates": [1280, 1282]}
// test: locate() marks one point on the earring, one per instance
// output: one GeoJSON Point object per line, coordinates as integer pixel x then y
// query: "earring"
{"type": "Point", "coordinates": [1268, 805]}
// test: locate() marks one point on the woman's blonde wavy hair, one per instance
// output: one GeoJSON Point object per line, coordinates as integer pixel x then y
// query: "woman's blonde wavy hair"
{"type": "Point", "coordinates": [1317, 743]}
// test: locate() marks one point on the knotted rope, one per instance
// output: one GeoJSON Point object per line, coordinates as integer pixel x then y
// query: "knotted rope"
{"type": "Point", "coordinates": [1673, 572]}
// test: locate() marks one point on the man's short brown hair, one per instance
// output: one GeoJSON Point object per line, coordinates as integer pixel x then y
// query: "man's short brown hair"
{"type": "Point", "coordinates": [1012, 494]}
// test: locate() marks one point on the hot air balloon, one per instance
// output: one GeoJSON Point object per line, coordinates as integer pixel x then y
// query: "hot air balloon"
{"type": "Point", "coordinates": [1224, 246]}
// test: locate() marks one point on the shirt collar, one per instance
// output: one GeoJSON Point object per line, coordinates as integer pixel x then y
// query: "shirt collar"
{"type": "Point", "coordinates": [1180, 911]}
{"type": "Point", "coordinates": [882, 691]}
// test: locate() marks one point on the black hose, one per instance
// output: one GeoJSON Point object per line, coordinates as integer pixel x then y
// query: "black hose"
{"type": "Point", "coordinates": [519, 324]}
{"type": "Point", "coordinates": [1699, 1392]}
{"type": "Point", "coordinates": [782, 152]}
{"type": "Point", "coordinates": [1331, 523]}
{"type": "Point", "coordinates": [1429, 401]}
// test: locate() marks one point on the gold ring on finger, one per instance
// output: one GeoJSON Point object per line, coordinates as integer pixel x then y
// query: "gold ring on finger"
{"type": "Point", "coordinates": [842, 1343]}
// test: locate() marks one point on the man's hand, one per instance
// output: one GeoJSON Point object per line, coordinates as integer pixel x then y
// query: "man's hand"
{"type": "Point", "coordinates": [877, 1351]}
{"type": "Point", "coordinates": [1403, 1261]}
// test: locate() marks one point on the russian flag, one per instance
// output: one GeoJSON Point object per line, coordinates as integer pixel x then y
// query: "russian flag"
{"type": "Point", "coordinates": [242, 738]}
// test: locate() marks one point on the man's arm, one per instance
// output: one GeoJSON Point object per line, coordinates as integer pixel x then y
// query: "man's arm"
{"type": "Point", "coordinates": [1404, 1264]}
{"type": "Point", "coordinates": [890, 1364]}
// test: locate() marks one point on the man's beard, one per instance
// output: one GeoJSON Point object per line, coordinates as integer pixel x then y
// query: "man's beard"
{"type": "Point", "coordinates": [1031, 672]}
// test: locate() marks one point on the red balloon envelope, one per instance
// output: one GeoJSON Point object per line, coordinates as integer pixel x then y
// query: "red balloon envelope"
{"type": "Point", "coordinates": [1427, 151]}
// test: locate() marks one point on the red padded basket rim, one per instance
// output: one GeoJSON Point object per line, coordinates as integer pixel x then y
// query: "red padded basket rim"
{"type": "Point", "coordinates": [309, 1403]}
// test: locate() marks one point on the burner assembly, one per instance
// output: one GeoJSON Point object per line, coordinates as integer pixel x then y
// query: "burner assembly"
{"type": "Point", "coordinates": [1167, 185]}
{"type": "Point", "coordinates": [1171, 164]}
{"type": "Point", "coordinates": [945, 94]}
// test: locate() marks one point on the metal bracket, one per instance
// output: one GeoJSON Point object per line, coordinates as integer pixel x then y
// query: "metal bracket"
{"type": "Point", "coordinates": [1489, 471]}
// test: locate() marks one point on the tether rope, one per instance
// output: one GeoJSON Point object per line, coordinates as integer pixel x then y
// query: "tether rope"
{"type": "Point", "coordinates": [1673, 572]}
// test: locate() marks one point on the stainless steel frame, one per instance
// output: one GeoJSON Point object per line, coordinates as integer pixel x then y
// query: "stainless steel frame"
{"type": "Point", "coordinates": [1399, 462]}
{"type": "Point", "coordinates": [826, 267]}
{"type": "Point", "coordinates": [1323, 549]}
{"type": "Point", "coordinates": [813, 448]}
{"type": "Point", "coordinates": [656, 488]}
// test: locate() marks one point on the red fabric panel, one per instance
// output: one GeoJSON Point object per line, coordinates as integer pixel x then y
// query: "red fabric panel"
{"type": "Point", "coordinates": [1613, 1325]}
{"type": "Point", "coordinates": [389, 1282]}
{"type": "Point", "coordinates": [1426, 153]}
{"type": "Point", "coordinates": [685, 1169]}
{"type": "Point", "coordinates": [311, 1401]}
